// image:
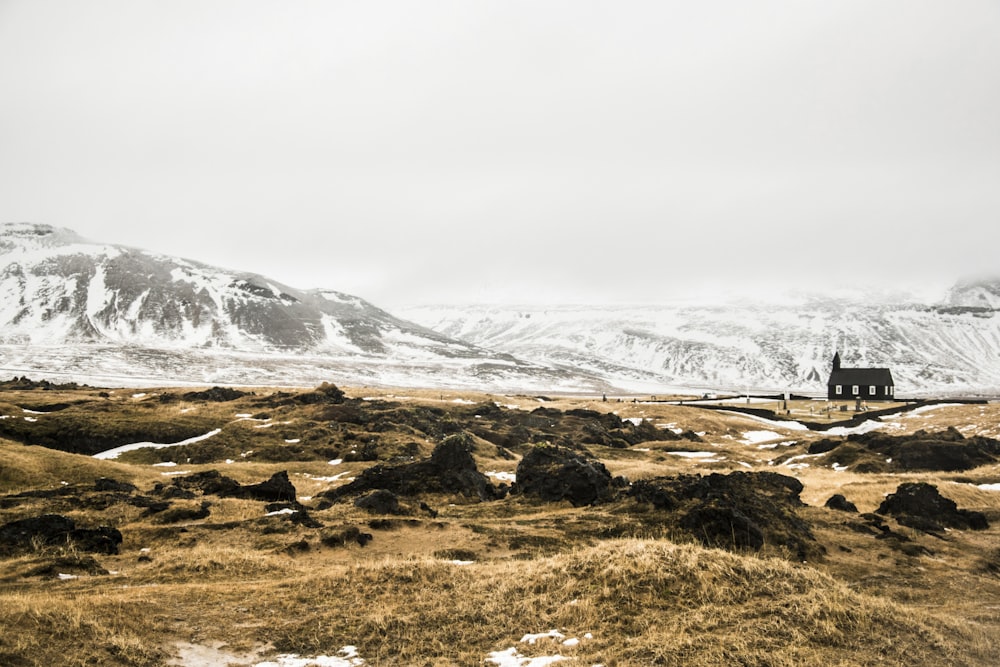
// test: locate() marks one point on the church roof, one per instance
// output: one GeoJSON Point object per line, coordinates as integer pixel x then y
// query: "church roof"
{"type": "Point", "coordinates": [861, 376]}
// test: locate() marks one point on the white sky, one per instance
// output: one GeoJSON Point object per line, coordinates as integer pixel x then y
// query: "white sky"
{"type": "Point", "coordinates": [423, 152]}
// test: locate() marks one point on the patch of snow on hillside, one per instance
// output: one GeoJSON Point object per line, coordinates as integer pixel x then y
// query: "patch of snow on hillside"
{"type": "Point", "coordinates": [98, 296]}
{"type": "Point", "coordinates": [755, 437]}
{"type": "Point", "coordinates": [286, 510]}
{"type": "Point", "coordinates": [797, 462]}
{"type": "Point", "coordinates": [694, 455]}
{"type": "Point", "coordinates": [928, 408]}
{"type": "Point", "coordinates": [777, 423]}
{"type": "Point", "coordinates": [118, 451]}
{"type": "Point", "coordinates": [336, 336]}
{"type": "Point", "coordinates": [337, 297]}
{"type": "Point", "coordinates": [863, 427]}
{"type": "Point", "coordinates": [775, 445]}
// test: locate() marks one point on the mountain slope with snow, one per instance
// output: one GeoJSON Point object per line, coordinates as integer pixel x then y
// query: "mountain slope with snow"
{"type": "Point", "coordinates": [88, 310]}
{"type": "Point", "coordinates": [59, 292]}
{"type": "Point", "coordinates": [944, 348]}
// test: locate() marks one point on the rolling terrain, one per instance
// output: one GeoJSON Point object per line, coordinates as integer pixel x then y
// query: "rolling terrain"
{"type": "Point", "coordinates": [350, 527]}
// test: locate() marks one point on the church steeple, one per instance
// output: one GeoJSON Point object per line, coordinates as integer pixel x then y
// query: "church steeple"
{"type": "Point", "coordinates": [836, 361]}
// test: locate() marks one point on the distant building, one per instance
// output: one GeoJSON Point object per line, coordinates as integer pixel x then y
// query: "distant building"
{"type": "Point", "coordinates": [866, 384]}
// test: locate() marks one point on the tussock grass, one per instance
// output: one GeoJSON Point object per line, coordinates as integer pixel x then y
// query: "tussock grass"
{"type": "Point", "coordinates": [94, 629]}
{"type": "Point", "coordinates": [615, 571]}
{"type": "Point", "coordinates": [645, 602]}
{"type": "Point", "coordinates": [31, 467]}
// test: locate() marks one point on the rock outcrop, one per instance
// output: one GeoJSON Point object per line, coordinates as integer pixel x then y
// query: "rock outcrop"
{"type": "Point", "coordinates": [51, 530]}
{"type": "Point", "coordinates": [740, 511]}
{"type": "Point", "coordinates": [919, 505]}
{"type": "Point", "coordinates": [450, 470]}
{"type": "Point", "coordinates": [946, 450]}
{"type": "Point", "coordinates": [555, 473]}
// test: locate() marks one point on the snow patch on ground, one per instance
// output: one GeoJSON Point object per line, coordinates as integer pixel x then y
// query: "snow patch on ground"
{"type": "Point", "coordinates": [117, 451]}
{"type": "Point", "coordinates": [287, 510]}
{"type": "Point", "coordinates": [777, 423]}
{"type": "Point", "coordinates": [333, 478]}
{"type": "Point", "coordinates": [775, 445]}
{"type": "Point", "coordinates": [512, 658]}
{"type": "Point", "coordinates": [863, 427]}
{"type": "Point", "coordinates": [200, 655]}
{"type": "Point", "coordinates": [796, 462]}
{"type": "Point", "coordinates": [754, 437]}
{"type": "Point", "coordinates": [502, 476]}
{"type": "Point", "coordinates": [927, 408]}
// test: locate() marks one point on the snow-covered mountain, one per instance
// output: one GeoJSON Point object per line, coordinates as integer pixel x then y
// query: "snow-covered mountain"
{"type": "Point", "coordinates": [88, 309]}
{"type": "Point", "coordinates": [97, 312]}
{"type": "Point", "coordinates": [953, 347]}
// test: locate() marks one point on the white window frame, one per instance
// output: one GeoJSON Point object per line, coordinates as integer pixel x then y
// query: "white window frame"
{"type": "Point", "coordinates": [838, 389]}
{"type": "Point", "coordinates": [871, 390]}
{"type": "Point", "coordinates": [855, 390]}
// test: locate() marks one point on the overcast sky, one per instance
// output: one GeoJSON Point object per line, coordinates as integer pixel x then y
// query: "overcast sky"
{"type": "Point", "coordinates": [578, 151]}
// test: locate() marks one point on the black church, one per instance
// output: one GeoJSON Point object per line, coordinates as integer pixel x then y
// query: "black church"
{"type": "Point", "coordinates": [866, 384]}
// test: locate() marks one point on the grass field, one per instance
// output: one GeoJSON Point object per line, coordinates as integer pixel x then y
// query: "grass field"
{"type": "Point", "coordinates": [470, 582]}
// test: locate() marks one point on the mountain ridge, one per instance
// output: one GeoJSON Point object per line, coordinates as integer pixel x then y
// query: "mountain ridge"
{"type": "Point", "coordinates": [96, 309]}
{"type": "Point", "coordinates": [58, 290]}
{"type": "Point", "coordinates": [949, 347]}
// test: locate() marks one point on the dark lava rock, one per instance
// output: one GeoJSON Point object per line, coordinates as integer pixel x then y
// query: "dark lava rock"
{"type": "Point", "coordinates": [54, 530]}
{"type": "Point", "coordinates": [208, 482]}
{"type": "Point", "coordinates": [106, 484]}
{"type": "Point", "coordinates": [723, 526]}
{"type": "Point", "coordinates": [739, 511]}
{"type": "Point", "coordinates": [215, 395]}
{"type": "Point", "coordinates": [174, 492]}
{"type": "Point", "coordinates": [151, 505]}
{"type": "Point", "coordinates": [344, 537]}
{"type": "Point", "coordinates": [839, 502]}
{"type": "Point", "coordinates": [919, 505]}
{"type": "Point", "coordinates": [946, 450]}
{"type": "Point", "coordinates": [277, 488]}
{"type": "Point", "coordinates": [325, 393]}
{"type": "Point", "coordinates": [299, 514]}
{"type": "Point", "coordinates": [69, 565]}
{"type": "Point", "coordinates": [178, 514]}
{"type": "Point", "coordinates": [211, 482]}
{"type": "Point", "coordinates": [555, 473]}
{"type": "Point", "coordinates": [450, 469]}
{"type": "Point", "coordinates": [379, 501]}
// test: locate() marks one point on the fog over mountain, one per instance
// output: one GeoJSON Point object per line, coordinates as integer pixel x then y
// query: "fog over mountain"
{"type": "Point", "coordinates": [73, 308]}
